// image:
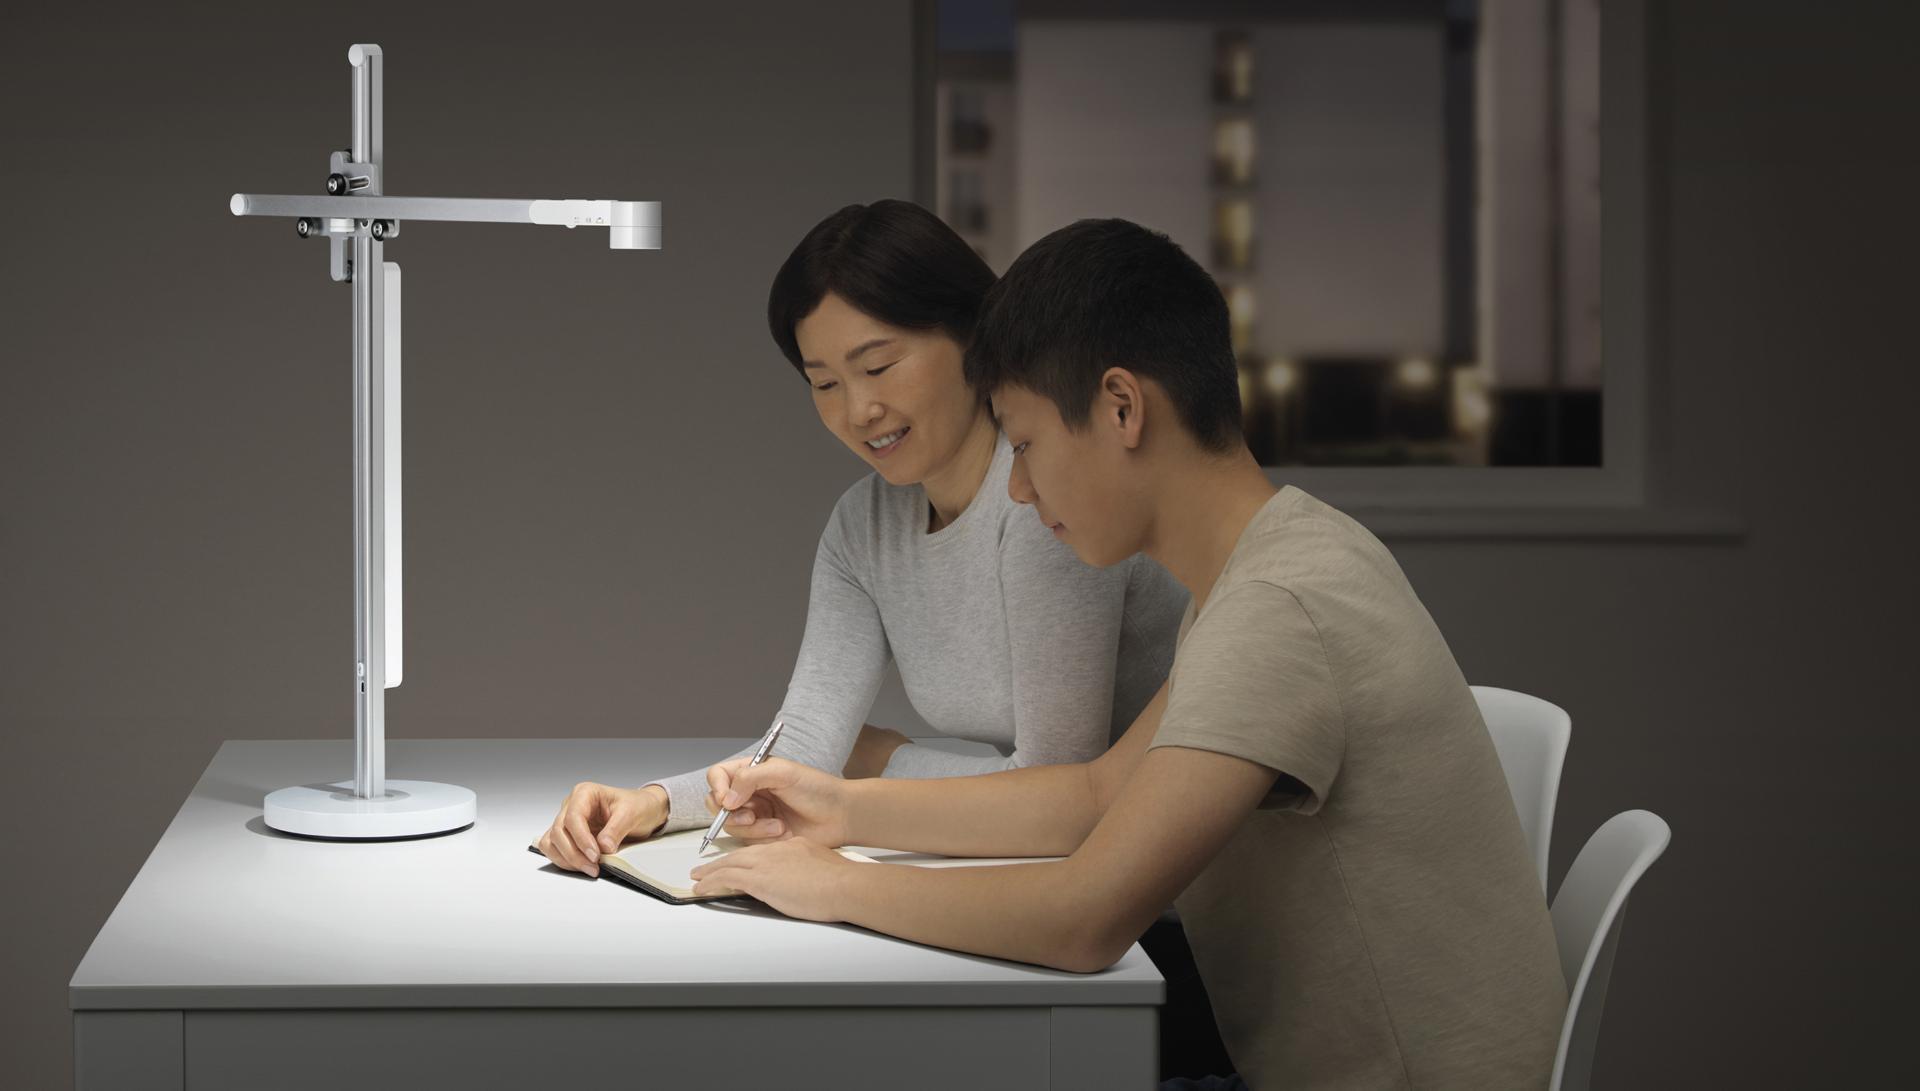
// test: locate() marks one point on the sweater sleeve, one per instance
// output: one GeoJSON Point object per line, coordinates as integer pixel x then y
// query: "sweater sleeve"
{"type": "Point", "coordinates": [1063, 621]}
{"type": "Point", "coordinates": [843, 658]}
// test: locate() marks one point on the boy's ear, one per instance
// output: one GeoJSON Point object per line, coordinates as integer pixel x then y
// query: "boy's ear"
{"type": "Point", "coordinates": [1121, 404]}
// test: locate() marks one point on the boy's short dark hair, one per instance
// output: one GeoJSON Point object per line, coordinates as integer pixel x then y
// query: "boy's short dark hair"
{"type": "Point", "coordinates": [1110, 293]}
{"type": "Point", "coordinates": [893, 261]}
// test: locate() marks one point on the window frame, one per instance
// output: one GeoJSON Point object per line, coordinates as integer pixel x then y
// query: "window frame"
{"type": "Point", "coordinates": [1614, 499]}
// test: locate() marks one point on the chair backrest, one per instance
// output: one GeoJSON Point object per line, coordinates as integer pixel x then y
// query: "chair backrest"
{"type": "Point", "coordinates": [1587, 913]}
{"type": "Point", "coordinates": [1531, 736]}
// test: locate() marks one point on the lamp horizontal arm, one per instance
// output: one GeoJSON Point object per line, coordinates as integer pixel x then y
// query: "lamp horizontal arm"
{"type": "Point", "coordinates": [631, 225]}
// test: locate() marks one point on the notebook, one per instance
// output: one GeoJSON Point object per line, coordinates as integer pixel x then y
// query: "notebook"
{"type": "Point", "coordinates": [661, 866]}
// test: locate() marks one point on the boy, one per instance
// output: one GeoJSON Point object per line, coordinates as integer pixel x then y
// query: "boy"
{"type": "Point", "coordinates": [1313, 783]}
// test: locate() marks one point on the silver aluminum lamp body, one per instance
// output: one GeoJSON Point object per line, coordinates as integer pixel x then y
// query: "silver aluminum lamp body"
{"type": "Point", "coordinates": [357, 218]}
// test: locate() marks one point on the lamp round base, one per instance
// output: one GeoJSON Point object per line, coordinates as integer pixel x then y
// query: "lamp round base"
{"type": "Point", "coordinates": [411, 808]}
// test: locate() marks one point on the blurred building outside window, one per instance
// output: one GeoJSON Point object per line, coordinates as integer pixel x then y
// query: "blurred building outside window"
{"type": "Point", "coordinates": [1400, 200]}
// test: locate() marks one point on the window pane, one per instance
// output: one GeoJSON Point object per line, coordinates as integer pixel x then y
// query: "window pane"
{"type": "Point", "coordinates": [1401, 206]}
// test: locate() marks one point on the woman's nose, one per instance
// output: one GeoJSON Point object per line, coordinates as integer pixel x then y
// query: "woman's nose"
{"type": "Point", "coordinates": [862, 412]}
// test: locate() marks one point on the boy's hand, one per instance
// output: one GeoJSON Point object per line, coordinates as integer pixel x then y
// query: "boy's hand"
{"type": "Point", "coordinates": [798, 877]}
{"type": "Point", "coordinates": [599, 818]}
{"type": "Point", "coordinates": [778, 799]}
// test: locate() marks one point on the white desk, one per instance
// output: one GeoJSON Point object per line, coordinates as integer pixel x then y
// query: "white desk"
{"type": "Point", "coordinates": [242, 958]}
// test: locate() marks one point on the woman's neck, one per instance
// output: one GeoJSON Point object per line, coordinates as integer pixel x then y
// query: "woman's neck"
{"type": "Point", "coordinates": [953, 486]}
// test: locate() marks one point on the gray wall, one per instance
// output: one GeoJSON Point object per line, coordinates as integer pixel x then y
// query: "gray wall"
{"type": "Point", "coordinates": [613, 490]}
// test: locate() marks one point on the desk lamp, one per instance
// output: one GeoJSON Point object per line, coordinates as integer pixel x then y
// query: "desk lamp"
{"type": "Point", "coordinates": [357, 218]}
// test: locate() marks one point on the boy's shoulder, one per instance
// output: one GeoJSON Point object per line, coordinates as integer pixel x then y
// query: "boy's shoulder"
{"type": "Point", "coordinates": [1299, 543]}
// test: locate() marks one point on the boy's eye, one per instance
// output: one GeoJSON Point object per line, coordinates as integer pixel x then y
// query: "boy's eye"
{"type": "Point", "coordinates": [1020, 448]}
{"type": "Point", "coordinates": [828, 385]}
{"type": "Point", "coordinates": [881, 368]}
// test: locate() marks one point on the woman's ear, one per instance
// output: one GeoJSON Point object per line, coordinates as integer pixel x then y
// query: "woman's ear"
{"type": "Point", "coordinates": [1121, 404]}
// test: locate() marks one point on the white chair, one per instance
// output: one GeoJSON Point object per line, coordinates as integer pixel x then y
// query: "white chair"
{"type": "Point", "coordinates": [1531, 736]}
{"type": "Point", "coordinates": [1586, 921]}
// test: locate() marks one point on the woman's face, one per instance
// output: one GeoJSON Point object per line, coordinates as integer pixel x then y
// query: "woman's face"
{"type": "Point", "coordinates": [896, 397]}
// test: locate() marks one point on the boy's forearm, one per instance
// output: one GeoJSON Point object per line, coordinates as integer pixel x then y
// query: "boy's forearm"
{"type": "Point", "coordinates": [1042, 810]}
{"type": "Point", "coordinates": [1024, 912]}
{"type": "Point", "coordinates": [1081, 913]}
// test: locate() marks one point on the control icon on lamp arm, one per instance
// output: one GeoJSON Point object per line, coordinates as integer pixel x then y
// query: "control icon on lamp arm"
{"type": "Point", "coordinates": [358, 219]}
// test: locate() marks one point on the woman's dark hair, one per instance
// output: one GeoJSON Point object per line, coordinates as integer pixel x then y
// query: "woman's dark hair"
{"type": "Point", "coordinates": [893, 261]}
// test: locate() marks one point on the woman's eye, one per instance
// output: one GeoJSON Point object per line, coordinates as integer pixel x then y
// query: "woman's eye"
{"type": "Point", "coordinates": [825, 386]}
{"type": "Point", "coordinates": [881, 368]}
{"type": "Point", "coordinates": [1020, 448]}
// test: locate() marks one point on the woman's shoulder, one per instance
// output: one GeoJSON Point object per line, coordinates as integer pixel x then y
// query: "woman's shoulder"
{"type": "Point", "coordinates": [871, 509]}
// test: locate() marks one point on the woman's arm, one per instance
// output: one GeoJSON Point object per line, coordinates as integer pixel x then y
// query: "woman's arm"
{"type": "Point", "coordinates": [1042, 810]}
{"type": "Point", "coordinates": [842, 660]}
{"type": "Point", "coordinates": [1063, 638]}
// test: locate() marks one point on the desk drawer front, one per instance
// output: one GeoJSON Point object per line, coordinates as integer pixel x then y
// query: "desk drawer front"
{"type": "Point", "coordinates": [961, 1048]}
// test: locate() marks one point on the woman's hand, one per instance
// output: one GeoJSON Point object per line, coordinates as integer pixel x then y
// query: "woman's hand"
{"type": "Point", "coordinates": [872, 751]}
{"type": "Point", "coordinates": [778, 799]}
{"type": "Point", "coordinates": [800, 878]}
{"type": "Point", "coordinates": [599, 818]}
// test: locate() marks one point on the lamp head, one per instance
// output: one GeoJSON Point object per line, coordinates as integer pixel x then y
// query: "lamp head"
{"type": "Point", "coordinates": [634, 225]}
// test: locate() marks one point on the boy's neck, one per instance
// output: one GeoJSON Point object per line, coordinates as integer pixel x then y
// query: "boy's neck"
{"type": "Point", "coordinates": [1202, 504]}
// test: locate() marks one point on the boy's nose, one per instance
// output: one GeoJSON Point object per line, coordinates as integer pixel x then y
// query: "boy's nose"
{"type": "Point", "coordinates": [1018, 487]}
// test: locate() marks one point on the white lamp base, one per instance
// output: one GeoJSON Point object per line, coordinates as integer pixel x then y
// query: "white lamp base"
{"type": "Point", "coordinates": [411, 808]}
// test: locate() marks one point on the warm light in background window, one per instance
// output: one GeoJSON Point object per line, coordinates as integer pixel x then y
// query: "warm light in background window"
{"type": "Point", "coordinates": [1233, 234]}
{"type": "Point", "coordinates": [1232, 66]}
{"type": "Point", "coordinates": [1240, 315]}
{"type": "Point", "coordinates": [1417, 373]}
{"type": "Point", "coordinates": [1233, 151]}
{"type": "Point", "coordinates": [1472, 409]}
{"type": "Point", "coordinates": [1279, 377]}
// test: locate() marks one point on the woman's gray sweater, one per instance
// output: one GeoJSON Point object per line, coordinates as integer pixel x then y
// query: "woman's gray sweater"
{"type": "Point", "coordinates": [1001, 634]}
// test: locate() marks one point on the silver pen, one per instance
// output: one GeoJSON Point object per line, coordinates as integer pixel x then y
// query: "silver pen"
{"type": "Point", "coordinates": [760, 755]}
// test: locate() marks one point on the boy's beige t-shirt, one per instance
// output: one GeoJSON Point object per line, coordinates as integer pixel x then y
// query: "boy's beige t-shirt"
{"type": "Point", "coordinates": [1377, 922]}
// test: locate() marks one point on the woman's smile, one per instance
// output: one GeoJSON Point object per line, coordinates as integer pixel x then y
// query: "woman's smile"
{"type": "Point", "coordinates": [882, 446]}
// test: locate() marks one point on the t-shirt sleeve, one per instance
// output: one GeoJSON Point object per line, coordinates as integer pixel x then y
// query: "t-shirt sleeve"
{"type": "Point", "coordinates": [1253, 680]}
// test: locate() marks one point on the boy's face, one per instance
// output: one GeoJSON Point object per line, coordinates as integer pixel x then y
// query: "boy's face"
{"type": "Point", "coordinates": [1078, 482]}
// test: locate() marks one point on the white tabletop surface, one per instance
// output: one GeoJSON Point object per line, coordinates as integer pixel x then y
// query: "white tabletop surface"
{"type": "Point", "coordinates": [227, 913]}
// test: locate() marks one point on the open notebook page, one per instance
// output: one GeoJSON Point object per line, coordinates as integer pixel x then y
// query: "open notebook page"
{"type": "Point", "coordinates": [663, 866]}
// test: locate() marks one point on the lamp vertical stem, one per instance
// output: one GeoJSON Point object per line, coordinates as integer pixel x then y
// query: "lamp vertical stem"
{"type": "Point", "coordinates": [369, 470]}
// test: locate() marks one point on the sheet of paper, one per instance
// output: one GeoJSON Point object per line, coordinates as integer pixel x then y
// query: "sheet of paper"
{"type": "Point", "coordinates": [668, 861]}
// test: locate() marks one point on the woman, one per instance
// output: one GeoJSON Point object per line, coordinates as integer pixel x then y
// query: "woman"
{"type": "Point", "coordinates": [1000, 633]}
